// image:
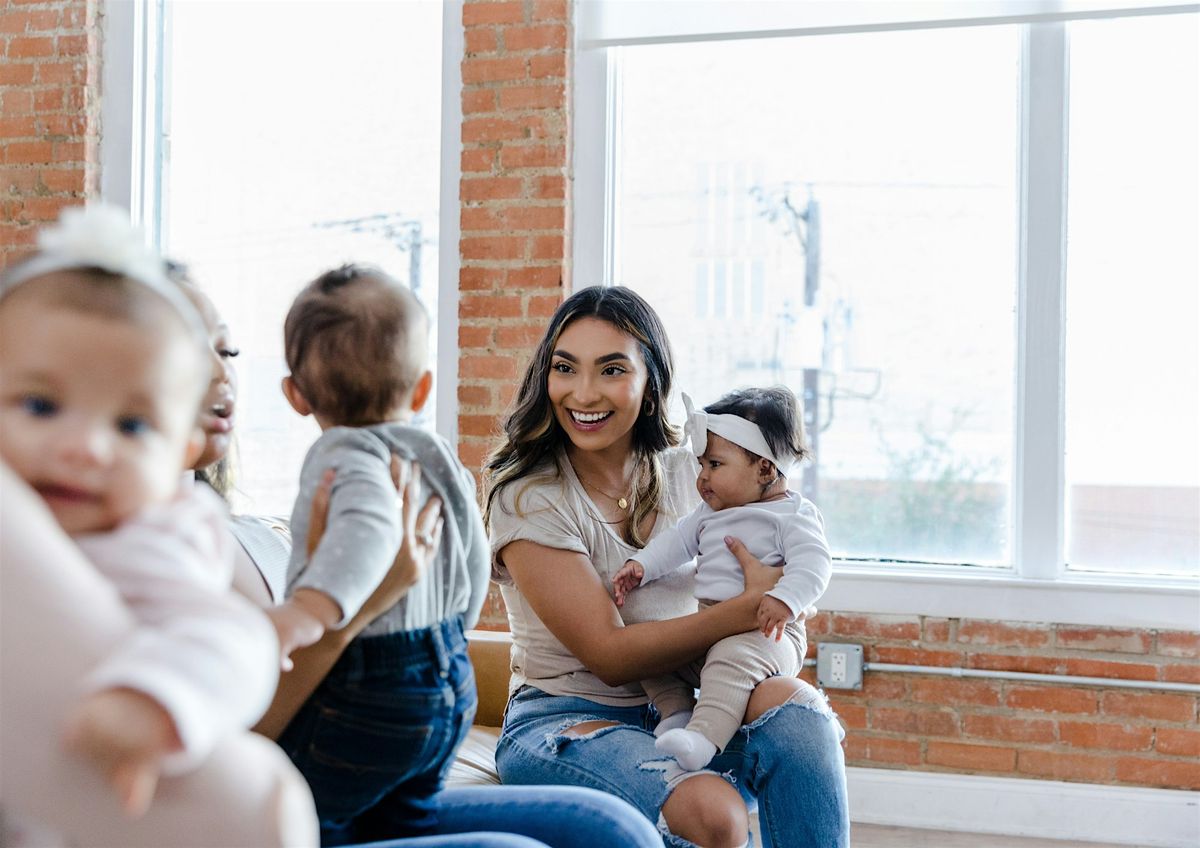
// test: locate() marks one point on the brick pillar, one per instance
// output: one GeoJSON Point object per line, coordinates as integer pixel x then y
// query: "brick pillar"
{"type": "Point", "coordinates": [49, 114]}
{"type": "Point", "coordinates": [515, 208]}
{"type": "Point", "coordinates": [515, 200]}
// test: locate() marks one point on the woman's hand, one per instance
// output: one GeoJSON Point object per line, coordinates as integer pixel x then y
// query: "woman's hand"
{"type": "Point", "coordinates": [422, 530]}
{"type": "Point", "coordinates": [759, 578]}
{"type": "Point", "coordinates": [422, 533]}
{"type": "Point", "coordinates": [318, 514]}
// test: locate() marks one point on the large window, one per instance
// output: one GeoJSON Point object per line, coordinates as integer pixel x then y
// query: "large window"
{"type": "Point", "coordinates": [846, 226]}
{"type": "Point", "coordinates": [1133, 297]}
{"type": "Point", "coordinates": [296, 137]}
{"type": "Point", "coordinates": [969, 245]}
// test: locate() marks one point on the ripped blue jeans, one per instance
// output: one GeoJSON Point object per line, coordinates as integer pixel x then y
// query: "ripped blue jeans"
{"type": "Point", "coordinates": [789, 762]}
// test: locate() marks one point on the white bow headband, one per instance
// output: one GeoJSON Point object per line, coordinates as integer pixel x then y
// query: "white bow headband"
{"type": "Point", "coordinates": [743, 433]}
{"type": "Point", "coordinates": [101, 236]}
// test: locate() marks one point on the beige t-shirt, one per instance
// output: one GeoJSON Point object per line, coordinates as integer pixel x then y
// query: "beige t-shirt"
{"type": "Point", "coordinates": [553, 509]}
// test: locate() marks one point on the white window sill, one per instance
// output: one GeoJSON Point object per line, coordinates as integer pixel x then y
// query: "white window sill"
{"type": "Point", "coordinates": [1134, 602]}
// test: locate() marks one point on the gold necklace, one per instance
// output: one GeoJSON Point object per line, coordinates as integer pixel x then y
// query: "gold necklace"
{"type": "Point", "coordinates": [621, 501]}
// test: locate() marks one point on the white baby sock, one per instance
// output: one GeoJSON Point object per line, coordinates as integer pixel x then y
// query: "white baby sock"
{"type": "Point", "coordinates": [674, 720]}
{"type": "Point", "coordinates": [689, 748]}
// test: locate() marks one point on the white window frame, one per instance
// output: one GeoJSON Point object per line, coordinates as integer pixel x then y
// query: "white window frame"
{"type": "Point", "coordinates": [1038, 588]}
{"type": "Point", "coordinates": [130, 161]}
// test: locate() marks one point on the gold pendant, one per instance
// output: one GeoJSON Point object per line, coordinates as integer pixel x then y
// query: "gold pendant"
{"type": "Point", "coordinates": [622, 503]}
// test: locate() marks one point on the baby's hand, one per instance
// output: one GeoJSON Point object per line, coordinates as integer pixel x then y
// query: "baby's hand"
{"type": "Point", "coordinates": [296, 628]}
{"type": "Point", "coordinates": [627, 579]}
{"type": "Point", "coordinates": [773, 616]}
{"type": "Point", "coordinates": [125, 734]}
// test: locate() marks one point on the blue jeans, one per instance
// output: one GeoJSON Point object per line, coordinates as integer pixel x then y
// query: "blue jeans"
{"type": "Point", "coordinates": [527, 816]}
{"type": "Point", "coordinates": [789, 761]}
{"type": "Point", "coordinates": [377, 737]}
{"type": "Point", "coordinates": [466, 840]}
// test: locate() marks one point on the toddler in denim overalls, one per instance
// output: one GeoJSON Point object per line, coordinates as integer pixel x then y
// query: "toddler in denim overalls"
{"type": "Point", "coordinates": [377, 737]}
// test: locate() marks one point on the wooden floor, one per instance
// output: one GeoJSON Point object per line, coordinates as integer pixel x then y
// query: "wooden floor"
{"type": "Point", "coordinates": [879, 836]}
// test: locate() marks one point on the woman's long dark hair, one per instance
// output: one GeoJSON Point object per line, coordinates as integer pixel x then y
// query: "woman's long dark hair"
{"type": "Point", "coordinates": [532, 435]}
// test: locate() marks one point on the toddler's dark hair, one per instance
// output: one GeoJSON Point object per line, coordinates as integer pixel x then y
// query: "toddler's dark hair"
{"type": "Point", "coordinates": [777, 412]}
{"type": "Point", "coordinates": [355, 341]}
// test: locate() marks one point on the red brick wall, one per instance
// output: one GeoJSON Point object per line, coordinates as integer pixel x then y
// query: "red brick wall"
{"type": "Point", "coordinates": [1092, 734]}
{"type": "Point", "coordinates": [515, 200]}
{"type": "Point", "coordinates": [49, 114]}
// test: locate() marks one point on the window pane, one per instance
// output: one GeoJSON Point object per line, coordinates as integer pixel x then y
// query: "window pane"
{"type": "Point", "coordinates": [1133, 276]}
{"type": "Point", "coordinates": [292, 151]}
{"type": "Point", "coordinates": [844, 209]}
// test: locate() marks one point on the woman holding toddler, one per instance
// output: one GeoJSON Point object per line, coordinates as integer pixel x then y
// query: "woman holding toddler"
{"type": "Point", "coordinates": [588, 471]}
{"type": "Point", "coordinates": [468, 816]}
{"type": "Point", "coordinates": [96, 429]}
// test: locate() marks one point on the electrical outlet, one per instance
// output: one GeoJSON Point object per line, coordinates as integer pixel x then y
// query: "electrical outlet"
{"type": "Point", "coordinates": [837, 668]}
{"type": "Point", "coordinates": [839, 665]}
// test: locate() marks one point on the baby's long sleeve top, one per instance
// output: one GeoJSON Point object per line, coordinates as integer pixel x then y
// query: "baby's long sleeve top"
{"type": "Point", "coordinates": [207, 655]}
{"type": "Point", "coordinates": [363, 530]}
{"type": "Point", "coordinates": [788, 532]}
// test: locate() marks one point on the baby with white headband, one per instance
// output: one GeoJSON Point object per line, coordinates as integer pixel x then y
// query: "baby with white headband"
{"type": "Point", "coordinates": [746, 443]}
{"type": "Point", "coordinates": [103, 367]}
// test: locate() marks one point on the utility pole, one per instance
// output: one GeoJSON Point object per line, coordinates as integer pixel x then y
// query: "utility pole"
{"type": "Point", "coordinates": [805, 225]}
{"type": "Point", "coordinates": [811, 243]}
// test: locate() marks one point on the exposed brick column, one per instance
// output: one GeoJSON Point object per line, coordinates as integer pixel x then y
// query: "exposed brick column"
{"type": "Point", "coordinates": [49, 114]}
{"type": "Point", "coordinates": [515, 200]}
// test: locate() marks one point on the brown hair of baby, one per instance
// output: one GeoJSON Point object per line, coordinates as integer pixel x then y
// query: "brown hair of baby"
{"type": "Point", "coordinates": [356, 343]}
{"type": "Point", "coordinates": [777, 412]}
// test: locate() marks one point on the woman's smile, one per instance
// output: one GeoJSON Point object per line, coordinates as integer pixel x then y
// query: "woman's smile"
{"type": "Point", "coordinates": [589, 421]}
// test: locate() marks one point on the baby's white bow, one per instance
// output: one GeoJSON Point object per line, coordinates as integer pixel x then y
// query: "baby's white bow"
{"type": "Point", "coordinates": [696, 426]}
{"type": "Point", "coordinates": [740, 431]}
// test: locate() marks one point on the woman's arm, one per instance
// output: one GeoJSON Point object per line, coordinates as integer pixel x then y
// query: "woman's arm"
{"type": "Point", "coordinates": [312, 663]}
{"type": "Point", "coordinates": [568, 596]}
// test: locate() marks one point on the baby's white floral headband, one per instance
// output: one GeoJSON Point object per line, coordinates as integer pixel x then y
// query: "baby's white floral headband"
{"type": "Point", "coordinates": [101, 236]}
{"type": "Point", "coordinates": [741, 431]}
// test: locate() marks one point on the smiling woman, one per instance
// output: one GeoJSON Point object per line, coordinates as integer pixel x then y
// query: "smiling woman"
{"type": "Point", "coordinates": [589, 426]}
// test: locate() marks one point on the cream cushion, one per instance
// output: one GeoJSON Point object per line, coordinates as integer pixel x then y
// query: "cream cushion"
{"type": "Point", "coordinates": [475, 764]}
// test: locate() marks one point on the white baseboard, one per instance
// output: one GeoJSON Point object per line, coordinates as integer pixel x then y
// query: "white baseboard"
{"type": "Point", "coordinates": [1151, 818]}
